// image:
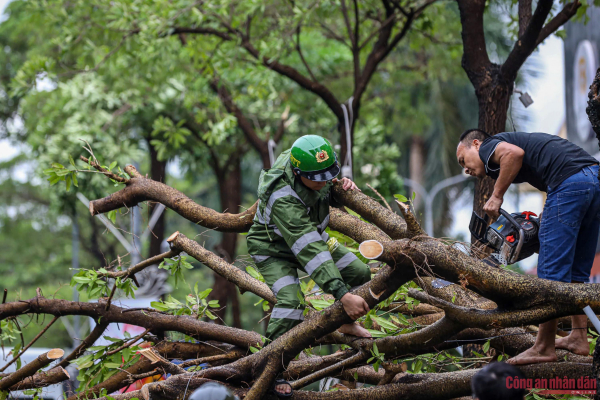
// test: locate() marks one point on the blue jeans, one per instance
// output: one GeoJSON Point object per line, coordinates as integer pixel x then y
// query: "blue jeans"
{"type": "Point", "coordinates": [569, 228]}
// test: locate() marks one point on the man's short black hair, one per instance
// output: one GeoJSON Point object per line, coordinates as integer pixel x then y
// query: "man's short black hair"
{"type": "Point", "coordinates": [491, 384]}
{"type": "Point", "coordinates": [469, 135]}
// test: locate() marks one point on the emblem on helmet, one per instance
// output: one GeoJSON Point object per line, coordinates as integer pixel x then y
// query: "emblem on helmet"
{"type": "Point", "coordinates": [322, 156]}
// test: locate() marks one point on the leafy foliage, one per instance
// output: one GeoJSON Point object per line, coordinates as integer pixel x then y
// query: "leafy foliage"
{"type": "Point", "coordinates": [101, 364]}
{"type": "Point", "coordinates": [195, 304]}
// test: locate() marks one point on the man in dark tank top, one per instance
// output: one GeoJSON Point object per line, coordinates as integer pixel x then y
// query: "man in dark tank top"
{"type": "Point", "coordinates": [571, 219]}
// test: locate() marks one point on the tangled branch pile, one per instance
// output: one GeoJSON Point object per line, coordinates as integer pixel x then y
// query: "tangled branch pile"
{"type": "Point", "coordinates": [484, 303]}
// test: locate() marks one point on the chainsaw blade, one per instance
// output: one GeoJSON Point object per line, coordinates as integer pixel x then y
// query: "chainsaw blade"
{"type": "Point", "coordinates": [492, 261]}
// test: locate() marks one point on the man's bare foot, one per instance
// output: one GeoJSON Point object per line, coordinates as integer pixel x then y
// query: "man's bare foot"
{"type": "Point", "coordinates": [574, 345]}
{"type": "Point", "coordinates": [355, 330]}
{"type": "Point", "coordinates": [283, 388]}
{"type": "Point", "coordinates": [533, 356]}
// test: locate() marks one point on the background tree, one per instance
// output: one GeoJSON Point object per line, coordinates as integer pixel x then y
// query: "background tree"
{"type": "Point", "coordinates": [494, 82]}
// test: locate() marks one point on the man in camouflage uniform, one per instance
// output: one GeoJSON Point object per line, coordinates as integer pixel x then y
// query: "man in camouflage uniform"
{"type": "Point", "coordinates": [289, 234]}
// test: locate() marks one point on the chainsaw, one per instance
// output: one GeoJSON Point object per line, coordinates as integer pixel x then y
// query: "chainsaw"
{"type": "Point", "coordinates": [513, 237]}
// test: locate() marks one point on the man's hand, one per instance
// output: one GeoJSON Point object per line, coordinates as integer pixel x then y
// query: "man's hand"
{"type": "Point", "coordinates": [347, 184]}
{"type": "Point", "coordinates": [355, 306]}
{"type": "Point", "coordinates": [492, 207]}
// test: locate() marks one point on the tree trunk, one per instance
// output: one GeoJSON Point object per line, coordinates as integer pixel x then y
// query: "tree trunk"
{"type": "Point", "coordinates": [230, 191]}
{"type": "Point", "coordinates": [158, 173]}
{"type": "Point", "coordinates": [417, 164]}
{"type": "Point", "coordinates": [493, 98]}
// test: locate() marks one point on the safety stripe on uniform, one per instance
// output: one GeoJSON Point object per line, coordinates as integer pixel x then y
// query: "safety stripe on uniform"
{"type": "Point", "coordinates": [304, 241]}
{"type": "Point", "coordinates": [283, 282]}
{"type": "Point", "coordinates": [284, 191]}
{"type": "Point", "coordinates": [277, 231]}
{"type": "Point", "coordinates": [258, 259]}
{"type": "Point", "coordinates": [325, 236]}
{"type": "Point", "coordinates": [316, 262]}
{"type": "Point", "coordinates": [258, 215]}
{"type": "Point", "coordinates": [287, 313]}
{"type": "Point", "coordinates": [345, 261]}
{"type": "Point", "coordinates": [321, 227]}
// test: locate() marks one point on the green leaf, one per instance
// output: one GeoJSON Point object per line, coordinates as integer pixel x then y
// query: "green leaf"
{"type": "Point", "coordinates": [375, 350]}
{"type": "Point", "coordinates": [320, 304]}
{"type": "Point", "coordinates": [254, 273]}
{"type": "Point", "coordinates": [210, 315]}
{"type": "Point", "coordinates": [486, 346]}
{"type": "Point", "coordinates": [418, 366]}
{"type": "Point", "coordinates": [385, 323]}
{"type": "Point", "coordinates": [204, 293]}
{"type": "Point", "coordinates": [401, 198]}
{"type": "Point", "coordinates": [376, 365]}
{"type": "Point", "coordinates": [157, 305]}
{"type": "Point", "coordinates": [254, 349]}
{"type": "Point", "coordinates": [112, 165]}
{"type": "Point", "coordinates": [112, 216]}
{"type": "Point", "coordinates": [377, 334]}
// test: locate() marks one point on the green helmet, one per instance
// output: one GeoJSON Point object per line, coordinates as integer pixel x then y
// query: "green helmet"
{"type": "Point", "coordinates": [212, 391]}
{"type": "Point", "coordinates": [313, 158]}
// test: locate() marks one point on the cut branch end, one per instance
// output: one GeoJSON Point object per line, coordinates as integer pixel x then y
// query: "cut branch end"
{"type": "Point", "coordinates": [173, 237]}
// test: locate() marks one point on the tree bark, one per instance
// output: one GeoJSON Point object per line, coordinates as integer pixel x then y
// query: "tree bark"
{"type": "Point", "coordinates": [158, 172]}
{"type": "Point", "coordinates": [230, 192]}
{"type": "Point", "coordinates": [494, 99]}
{"type": "Point", "coordinates": [31, 368]}
{"type": "Point", "coordinates": [593, 108]}
{"type": "Point", "coordinates": [408, 253]}
{"type": "Point", "coordinates": [42, 379]}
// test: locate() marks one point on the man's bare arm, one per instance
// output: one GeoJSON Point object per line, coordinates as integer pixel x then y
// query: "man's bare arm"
{"type": "Point", "coordinates": [510, 159]}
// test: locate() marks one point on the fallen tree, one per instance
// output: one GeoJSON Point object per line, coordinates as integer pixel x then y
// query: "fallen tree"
{"type": "Point", "coordinates": [480, 303]}
{"type": "Point", "coordinates": [484, 304]}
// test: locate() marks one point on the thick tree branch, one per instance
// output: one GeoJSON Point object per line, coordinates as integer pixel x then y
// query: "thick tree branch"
{"type": "Point", "coordinates": [475, 59]}
{"type": "Point", "coordinates": [154, 321]}
{"type": "Point", "coordinates": [141, 189]}
{"type": "Point", "coordinates": [593, 108]}
{"type": "Point", "coordinates": [444, 385]}
{"type": "Point", "coordinates": [42, 379]}
{"type": "Point", "coordinates": [30, 368]}
{"type": "Point", "coordinates": [527, 42]}
{"type": "Point", "coordinates": [568, 11]}
{"type": "Point", "coordinates": [525, 9]}
{"type": "Point", "coordinates": [233, 274]}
